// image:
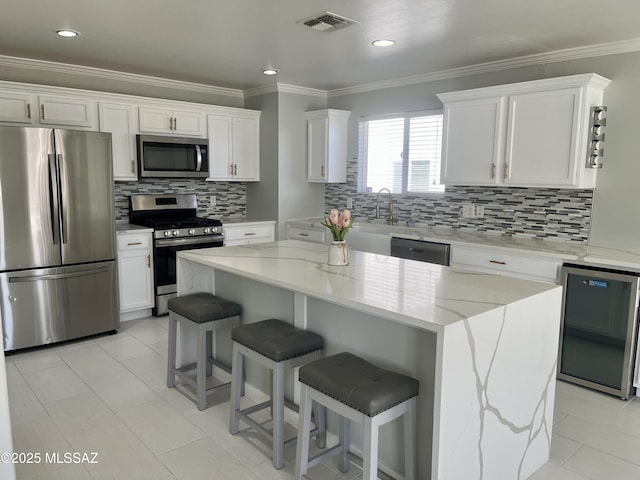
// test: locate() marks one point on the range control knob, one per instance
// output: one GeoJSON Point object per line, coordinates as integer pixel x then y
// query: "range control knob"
{"type": "Point", "coordinates": [167, 233]}
{"type": "Point", "coordinates": [192, 231]}
{"type": "Point", "coordinates": [207, 231]}
{"type": "Point", "coordinates": [174, 233]}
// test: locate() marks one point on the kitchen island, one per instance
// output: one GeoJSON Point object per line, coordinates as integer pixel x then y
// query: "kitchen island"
{"type": "Point", "coordinates": [484, 347]}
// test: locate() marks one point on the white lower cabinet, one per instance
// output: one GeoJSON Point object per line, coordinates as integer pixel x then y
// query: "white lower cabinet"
{"type": "Point", "coordinates": [308, 233]}
{"type": "Point", "coordinates": [135, 271]}
{"type": "Point", "coordinates": [504, 262]}
{"type": "Point", "coordinates": [248, 233]}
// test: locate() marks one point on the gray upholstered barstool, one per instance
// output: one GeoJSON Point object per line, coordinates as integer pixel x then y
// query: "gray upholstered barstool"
{"type": "Point", "coordinates": [208, 313]}
{"type": "Point", "coordinates": [278, 346]}
{"type": "Point", "coordinates": [356, 390]}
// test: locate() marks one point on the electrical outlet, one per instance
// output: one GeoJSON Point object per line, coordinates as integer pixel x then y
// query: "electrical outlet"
{"type": "Point", "coordinates": [349, 203]}
{"type": "Point", "coordinates": [212, 201]}
{"type": "Point", "coordinates": [479, 211]}
{"type": "Point", "coordinates": [468, 210]}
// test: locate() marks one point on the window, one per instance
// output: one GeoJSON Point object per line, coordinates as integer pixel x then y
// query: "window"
{"type": "Point", "coordinates": [401, 153]}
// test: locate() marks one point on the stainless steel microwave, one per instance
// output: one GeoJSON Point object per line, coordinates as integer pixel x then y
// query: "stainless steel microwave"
{"type": "Point", "coordinates": [172, 157]}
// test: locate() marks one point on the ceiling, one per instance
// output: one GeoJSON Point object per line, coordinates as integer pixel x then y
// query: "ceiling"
{"type": "Point", "coordinates": [226, 43]}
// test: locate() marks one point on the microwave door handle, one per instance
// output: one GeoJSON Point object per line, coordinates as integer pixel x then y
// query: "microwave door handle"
{"type": "Point", "coordinates": [198, 158]}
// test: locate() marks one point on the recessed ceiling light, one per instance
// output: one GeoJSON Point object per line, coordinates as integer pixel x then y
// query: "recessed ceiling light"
{"type": "Point", "coordinates": [67, 33]}
{"type": "Point", "coordinates": [270, 71]}
{"type": "Point", "coordinates": [383, 43]}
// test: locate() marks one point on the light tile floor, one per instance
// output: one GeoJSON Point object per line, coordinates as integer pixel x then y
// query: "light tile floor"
{"type": "Point", "coordinates": [108, 395]}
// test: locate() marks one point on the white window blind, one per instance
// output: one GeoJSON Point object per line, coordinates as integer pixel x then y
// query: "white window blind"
{"type": "Point", "coordinates": [401, 153]}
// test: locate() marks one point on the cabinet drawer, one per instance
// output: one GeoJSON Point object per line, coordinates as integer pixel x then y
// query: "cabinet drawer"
{"type": "Point", "coordinates": [134, 241]}
{"type": "Point", "coordinates": [307, 234]}
{"type": "Point", "coordinates": [253, 232]}
{"type": "Point", "coordinates": [507, 263]}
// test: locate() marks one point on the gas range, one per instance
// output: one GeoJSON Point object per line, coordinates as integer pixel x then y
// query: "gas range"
{"type": "Point", "coordinates": [176, 227]}
{"type": "Point", "coordinates": [171, 216]}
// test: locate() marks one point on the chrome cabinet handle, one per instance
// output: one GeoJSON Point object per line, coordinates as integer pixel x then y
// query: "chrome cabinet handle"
{"type": "Point", "coordinates": [175, 123]}
{"type": "Point", "coordinates": [506, 171]}
{"type": "Point", "coordinates": [303, 234]}
{"type": "Point", "coordinates": [29, 111]}
{"type": "Point", "coordinates": [493, 170]}
{"type": "Point", "coordinates": [250, 233]}
{"type": "Point", "coordinates": [42, 110]}
{"type": "Point", "coordinates": [497, 262]}
{"type": "Point", "coordinates": [134, 243]}
{"type": "Point", "coordinates": [149, 261]}
{"type": "Point", "coordinates": [235, 169]}
{"type": "Point", "coordinates": [133, 170]}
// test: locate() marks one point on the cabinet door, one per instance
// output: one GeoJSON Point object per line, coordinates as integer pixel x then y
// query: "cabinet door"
{"type": "Point", "coordinates": [472, 144]}
{"type": "Point", "coordinates": [16, 107]}
{"type": "Point", "coordinates": [117, 119]}
{"type": "Point", "coordinates": [317, 154]}
{"type": "Point", "coordinates": [541, 139]}
{"type": "Point", "coordinates": [246, 148]}
{"type": "Point", "coordinates": [155, 120]}
{"type": "Point", "coordinates": [188, 123]}
{"type": "Point", "coordinates": [135, 275]}
{"type": "Point", "coordinates": [67, 111]}
{"type": "Point", "coordinates": [219, 129]}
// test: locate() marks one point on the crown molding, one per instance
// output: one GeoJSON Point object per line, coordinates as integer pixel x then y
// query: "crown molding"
{"type": "Point", "coordinates": [285, 88]}
{"type": "Point", "coordinates": [80, 70]}
{"type": "Point", "coordinates": [604, 49]}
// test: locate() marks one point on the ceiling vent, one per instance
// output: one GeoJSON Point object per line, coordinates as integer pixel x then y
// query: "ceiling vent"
{"type": "Point", "coordinates": [327, 22]}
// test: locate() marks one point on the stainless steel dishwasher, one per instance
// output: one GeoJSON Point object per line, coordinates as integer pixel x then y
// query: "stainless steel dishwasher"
{"type": "Point", "coordinates": [431, 252]}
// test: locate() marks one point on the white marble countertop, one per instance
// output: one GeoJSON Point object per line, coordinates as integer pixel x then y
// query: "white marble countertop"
{"type": "Point", "coordinates": [413, 293]}
{"type": "Point", "coordinates": [564, 250]}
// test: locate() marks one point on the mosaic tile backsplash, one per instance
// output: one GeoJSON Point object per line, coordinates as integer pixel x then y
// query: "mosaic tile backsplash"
{"type": "Point", "coordinates": [554, 214]}
{"type": "Point", "coordinates": [230, 196]}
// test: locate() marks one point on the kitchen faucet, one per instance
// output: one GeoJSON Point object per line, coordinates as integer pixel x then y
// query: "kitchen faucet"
{"type": "Point", "coordinates": [391, 219]}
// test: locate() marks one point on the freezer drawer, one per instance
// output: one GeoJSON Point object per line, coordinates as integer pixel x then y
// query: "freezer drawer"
{"type": "Point", "coordinates": [54, 304]}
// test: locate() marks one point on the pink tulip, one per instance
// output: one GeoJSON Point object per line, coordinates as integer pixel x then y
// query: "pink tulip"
{"type": "Point", "coordinates": [334, 216]}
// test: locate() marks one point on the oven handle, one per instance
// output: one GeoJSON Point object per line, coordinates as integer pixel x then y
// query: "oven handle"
{"type": "Point", "coordinates": [198, 158]}
{"type": "Point", "coordinates": [188, 241]}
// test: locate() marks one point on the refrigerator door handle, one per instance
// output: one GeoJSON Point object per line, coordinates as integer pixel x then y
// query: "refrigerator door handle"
{"type": "Point", "coordinates": [54, 199]}
{"type": "Point", "coordinates": [62, 207]}
{"type": "Point", "coordinates": [57, 276]}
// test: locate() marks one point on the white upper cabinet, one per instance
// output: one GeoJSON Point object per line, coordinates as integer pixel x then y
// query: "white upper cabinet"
{"type": "Point", "coordinates": [47, 110]}
{"type": "Point", "coordinates": [525, 134]}
{"type": "Point", "coordinates": [234, 146]}
{"type": "Point", "coordinates": [67, 111]}
{"type": "Point", "coordinates": [327, 133]}
{"type": "Point", "coordinates": [17, 107]}
{"type": "Point", "coordinates": [171, 122]}
{"type": "Point", "coordinates": [118, 119]}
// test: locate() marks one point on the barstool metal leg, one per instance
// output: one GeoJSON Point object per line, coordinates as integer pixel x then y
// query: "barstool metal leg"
{"type": "Point", "coordinates": [304, 423]}
{"type": "Point", "coordinates": [201, 368]}
{"type": "Point", "coordinates": [321, 425]}
{"type": "Point", "coordinates": [236, 389]}
{"type": "Point", "coordinates": [370, 449]}
{"type": "Point", "coordinates": [278, 414]}
{"type": "Point", "coordinates": [345, 443]}
{"type": "Point", "coordinates": [171, 354]}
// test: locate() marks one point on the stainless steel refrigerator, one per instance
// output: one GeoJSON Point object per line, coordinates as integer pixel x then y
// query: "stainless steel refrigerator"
{"type": "Point", "coordinates": [57, 237]}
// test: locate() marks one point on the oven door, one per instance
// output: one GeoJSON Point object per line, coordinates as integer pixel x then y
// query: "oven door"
{"type": "Point", "coordinates": [164, 257]}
